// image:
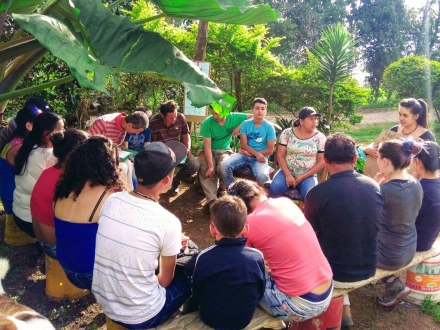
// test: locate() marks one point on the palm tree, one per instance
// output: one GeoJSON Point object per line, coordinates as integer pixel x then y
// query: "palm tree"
{"type": "Point", "coordinates": [335, 55]}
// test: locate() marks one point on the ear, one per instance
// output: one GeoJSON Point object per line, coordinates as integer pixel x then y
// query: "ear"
{"type": "Point", "coordinates": [29, 126]}
{"type": "Point", "coordinates": [245, 231]}
{"type": "Point", "coordinates": [355, 158]}
{"type": "Point", "coordinates": [212, 230]}
{"type": "Point", "coordinates": [326, 161]}
{"type": "Point", "coordinates": [416, 116]}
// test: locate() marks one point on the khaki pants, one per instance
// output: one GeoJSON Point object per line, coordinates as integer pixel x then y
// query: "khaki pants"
{"type": "Point", "coordinates": [210, 185]}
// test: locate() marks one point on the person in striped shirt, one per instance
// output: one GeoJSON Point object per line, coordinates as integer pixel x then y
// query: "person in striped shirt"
{"type": "Point", "coordinates": [114, 126]}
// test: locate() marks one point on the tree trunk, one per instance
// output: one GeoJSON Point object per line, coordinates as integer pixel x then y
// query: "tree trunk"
{"type": "Point", "coordinates": [329, 110]}
{"type": "Point", "coordinates": [237, 83]}
{"type": "Point", "coordinates": [201, 42]}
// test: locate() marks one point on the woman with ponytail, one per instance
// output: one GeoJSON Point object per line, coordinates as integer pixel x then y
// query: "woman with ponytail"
{"type": "Point", "coordinates": [414, 118]}
{"type": "Point", "coordinates": [34, 156]}
{"type": "Point", "coordinates": [24, 122]}
{"type": "Point", "coordinates": [402, 195]}
{"type": "Point", "coordinates": [426, 165]}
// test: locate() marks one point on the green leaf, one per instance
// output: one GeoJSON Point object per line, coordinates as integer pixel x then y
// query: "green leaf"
{"type": "Point", "coordinates": [224, 106]}
{"type": "Point", "coordinates": [20, 6]}
{"type": "Point", "coordinates": [219, 11]}
{"type": "Point", "coordinates": [112, 44]}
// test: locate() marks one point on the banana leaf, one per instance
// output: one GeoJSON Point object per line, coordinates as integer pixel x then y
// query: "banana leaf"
{"type": "Point", "coordinates": [20, 6]}
{"type": "Point", "coordinates": [108, 44]}
{"type": "Point", "coordinates": [219, 11]}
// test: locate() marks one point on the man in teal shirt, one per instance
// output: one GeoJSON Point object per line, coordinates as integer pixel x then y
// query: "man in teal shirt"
{"type": "Point", "coordinates": [217, 135]}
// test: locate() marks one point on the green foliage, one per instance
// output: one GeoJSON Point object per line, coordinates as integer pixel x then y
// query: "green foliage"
{"type": "Point", "coordinates": [414, 76]}
{"type": "Point", "coordinates": [431, 307]}
{"type": "Point", "coordinates": [364, 135]}
{"type": "Point", "coordinates": [382, 28]}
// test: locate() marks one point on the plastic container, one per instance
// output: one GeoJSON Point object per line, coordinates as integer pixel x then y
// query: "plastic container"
{"type": "Point", "coordinates": [58, 287]}
{"type": "Point", "coordinates": [329, 320]}
{"type": "Point", "coordinates": [112, 325]}
{"type": "Point", "coordinates": [13, 235]}
{"type": "Point", "coordinates": [423, 279]}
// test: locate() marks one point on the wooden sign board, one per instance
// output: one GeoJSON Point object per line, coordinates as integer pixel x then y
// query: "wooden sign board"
{"type": "Point", "coordinates": [193, 114]}
{"type": "Point", "coordinates": [371, 168]}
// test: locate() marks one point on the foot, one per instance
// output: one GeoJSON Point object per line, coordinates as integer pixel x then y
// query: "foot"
{"type": "Point", "coordinates": [174, 191]}
{"type": "Point", "coordinates": [206, 209]}
{"type": "Point", "coordinates": [394, 292]}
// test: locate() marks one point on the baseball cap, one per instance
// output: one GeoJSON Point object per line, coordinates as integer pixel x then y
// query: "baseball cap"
{"type": "Point", "coordinates": [308, 111]}
{"type": "Point", "coordinates": [39, 103]}
{"type": "Point", "coordinates": [157, 159]}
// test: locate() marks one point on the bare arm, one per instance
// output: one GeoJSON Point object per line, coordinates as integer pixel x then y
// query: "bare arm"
{"type": "Point", "coordinates": [124, 144]}
{"type": "Point", "coordinates": [166, 272]}
{"type": "Point", "coordinates": [281, 158]}
{"type": "Point", "coordinates": [208, 156]}
{"type": "Point", "coordinates": [186, 140]}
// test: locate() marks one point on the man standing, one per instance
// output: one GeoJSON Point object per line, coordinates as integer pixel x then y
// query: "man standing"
{"type": "Point", "coordinates": [217, 134]}
{"type": "Point", "coordinates": [169, 125]}
{"type": "Point", "coordinates": [344, 212]}
{"type": "Point", "coordinates": [135, 235]}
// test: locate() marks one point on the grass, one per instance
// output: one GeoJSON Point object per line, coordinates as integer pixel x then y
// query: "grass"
{"type": "Point", "coordinates": [431, 308]}
{"type": "Point", "coordinates": [363, 136]}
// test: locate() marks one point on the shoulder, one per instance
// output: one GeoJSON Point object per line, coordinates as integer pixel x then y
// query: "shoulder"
{"type": "Point", "coordinates": [320, 136]}
{"type": "Point", "coordinates": [428, 136]}
{"type": "Point", "coordinates": [181, 117]}
{"type": "Point", "coordinates": [155, 118]}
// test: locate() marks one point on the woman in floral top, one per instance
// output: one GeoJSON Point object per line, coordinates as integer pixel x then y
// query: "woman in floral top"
{"type": "Point", "coordinates": [300, 155]}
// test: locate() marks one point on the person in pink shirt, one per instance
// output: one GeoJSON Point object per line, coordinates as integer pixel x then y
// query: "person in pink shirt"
{"type": "Point", "coordinates": [299, 280]}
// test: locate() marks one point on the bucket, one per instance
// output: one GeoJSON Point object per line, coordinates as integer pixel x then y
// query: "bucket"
{"type": "Point", "coordinates": [112, 325]}
{"type": "Point", "coordinates": [423, 279]}
{"type": "Point", "coordinates": [58, 287]}
{"type": "Point", "coordinates": [13, 235]}
{"type": "Point", "coordinates": [329, 320]}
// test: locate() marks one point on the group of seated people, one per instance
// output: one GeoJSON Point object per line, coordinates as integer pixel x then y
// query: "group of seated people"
{"type": "Point", "coordinates": [64, 188]}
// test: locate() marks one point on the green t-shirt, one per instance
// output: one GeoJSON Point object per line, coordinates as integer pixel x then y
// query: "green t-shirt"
{"type": "Point", "coordinates": [221, 135]}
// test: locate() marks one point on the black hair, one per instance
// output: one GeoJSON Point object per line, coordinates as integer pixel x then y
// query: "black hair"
{"type": "Point", "coordinates": [167, 107]}
{"type": "Point", "coordinates": [39, 103]}
{"type": "Point", "coordinates": [247, 190]}
{"type": "Point", "coordinates": [417, 107]}
{"type": "Point", "coordinates": [27, 114]}
{"type": "Point", "coordinates": [94, 161]}
{"type": "Point", "coordinates": [64, 142]}
{"type": "Point", "coordinates": [399, 152]}
{"type": "Point", "coordinates": [339, 149]}
{"type": "Point", "coordinates": [430, 156]}
{"type": "Point", "coordinates": [259, 100]}
{"type": "Point", "coordinates": [138, 119]}
{"type": "Point", "coordinates": [229, 216]}
{"type": "Point", "coordinates": [44, 125]}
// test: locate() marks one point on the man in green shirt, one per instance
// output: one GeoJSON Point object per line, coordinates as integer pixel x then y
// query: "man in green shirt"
{"type": "Point", "coordinates": [217, 135]}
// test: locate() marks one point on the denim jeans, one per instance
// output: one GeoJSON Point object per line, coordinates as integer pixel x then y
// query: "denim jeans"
{"type": "Point", "coordinates": [80, 280]}
{"type": "Point", "coordinates": [49, 249]}
{"type": "Point", "coordinates": [279, 186]}
{"type": "Point", "coordinates": [176, 294]}
{"type": "Point", "coordinates": [260, 170]}
{"type": "Point", "coordinates": [290, 309]}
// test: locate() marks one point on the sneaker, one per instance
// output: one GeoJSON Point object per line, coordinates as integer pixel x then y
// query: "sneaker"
{"type": "Point", "coordinates": [394, 292]}
{"type": "Point", "coordinates": [174, 191]}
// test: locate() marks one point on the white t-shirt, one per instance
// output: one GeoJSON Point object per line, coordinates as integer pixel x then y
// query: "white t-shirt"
{"type": "Point", "coordinates": [132, 234]}
{"type": "Point", "coordinates": [39, 159]}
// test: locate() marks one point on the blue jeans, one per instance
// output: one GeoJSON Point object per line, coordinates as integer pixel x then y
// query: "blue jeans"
{"type": "Point", "coordinates": [80, 280]}
{"type": "Point", "coordinates": [49, 249]}
{"type": "Point", "coordinates": [291, 309]}
{"type": "Point", "coordinates": [260, 170]}
{"type": "Point", "coordinates": [278, 186]}
{"type": "Point", "coordinates": [177, 293]}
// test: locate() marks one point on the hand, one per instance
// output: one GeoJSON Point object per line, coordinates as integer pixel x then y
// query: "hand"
{"type": "Point", "coordinates": [236, 132]}
{"type": "Point", "coordinates": [260, 157]}
{"type": "Point", "coordinates": [290, 180]}
{"type": "Point", "coordinates": [371, 151]}
{"type": "Point", "coordinates": [184, 241]}
{"type": "Point", "coordinates": [209, 172]}
{"type": "Point", "coordinates": [380, 178]}
{"type": "Point", "coordinates": [299, 179]}
{"type": "Point", "coordinates": [188, 154]}
{"type": "Point", "coordinates": [244, 152]}
{"type": "Point", "coordinates": [131, 159]}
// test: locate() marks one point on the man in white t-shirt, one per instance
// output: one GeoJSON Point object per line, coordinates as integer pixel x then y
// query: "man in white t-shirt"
{"type": "Point", "coordinates": [135, 234]}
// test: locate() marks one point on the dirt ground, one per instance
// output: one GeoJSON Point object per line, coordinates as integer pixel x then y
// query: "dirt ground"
{"type": "Point", "coordinates": [25, 281]}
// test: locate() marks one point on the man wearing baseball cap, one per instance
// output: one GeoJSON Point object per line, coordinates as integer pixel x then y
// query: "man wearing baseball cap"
{"type": "Point", "coordinates": [134, 232]}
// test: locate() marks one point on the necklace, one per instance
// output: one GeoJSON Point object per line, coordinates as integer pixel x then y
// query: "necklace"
{"type": "Point", "coordinates": [146, 196]}
{"type": "Point", "coordinates": [411, 131]}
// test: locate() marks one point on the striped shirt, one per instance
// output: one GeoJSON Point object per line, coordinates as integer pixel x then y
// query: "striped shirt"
{"type": "Point", "coordinates": [160, 132]}
{"type": "Point", "coordinates": [109, 125]}
{"type": "Point", "coordinates": [132, 234]}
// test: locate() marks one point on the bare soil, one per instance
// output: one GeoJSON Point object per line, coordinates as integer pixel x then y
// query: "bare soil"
{"type": "Point", "coordinates": [25, 281]}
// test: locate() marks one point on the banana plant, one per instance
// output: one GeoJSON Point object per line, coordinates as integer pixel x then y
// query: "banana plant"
{"type": "Point", "coordinates": [98, 45]}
